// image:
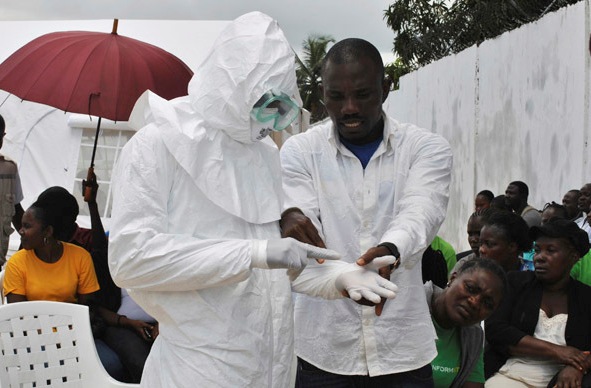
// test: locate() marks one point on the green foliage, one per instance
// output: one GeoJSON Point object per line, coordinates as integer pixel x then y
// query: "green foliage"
{"type": "Point", "coordinates": [308, 74]}
{"type": "Point", "coordinates": [394, 71]}
{"type": "Point", "coordinates": [427, 30]}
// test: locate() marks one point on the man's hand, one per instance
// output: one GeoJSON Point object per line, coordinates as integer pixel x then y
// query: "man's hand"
{"type": "Point", "coordinates": [90, 187]}
{"type": "Point", "coordinates": [287, 253]}
{"type": "Point", "coordinates": [296, 225]}
{"type": "Point", "coordinates": [384, 271]}
{"type": "Point", "coordinates": [569, 377]}
{"type": "Point", "coordinates": [572, 356]}
{"type": "Point", "coordinates": [364, 285]}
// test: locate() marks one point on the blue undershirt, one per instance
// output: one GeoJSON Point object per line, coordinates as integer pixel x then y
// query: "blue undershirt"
{"type": "Point", "coordinates": [363, 152]}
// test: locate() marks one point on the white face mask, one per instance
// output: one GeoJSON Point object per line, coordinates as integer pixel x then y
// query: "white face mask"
{"type": "Point", "coordinates": [258, 130]}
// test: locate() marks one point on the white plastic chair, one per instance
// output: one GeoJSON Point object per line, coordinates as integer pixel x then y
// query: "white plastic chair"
{"type": "Point", "coordinates": [49, 344]}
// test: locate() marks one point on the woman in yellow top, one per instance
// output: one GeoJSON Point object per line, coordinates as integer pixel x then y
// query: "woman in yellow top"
{"type": "Point", "coordinates": [47, 268]}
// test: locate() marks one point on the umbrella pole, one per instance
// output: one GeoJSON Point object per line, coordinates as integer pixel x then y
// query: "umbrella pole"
{"type": "Point", "coordinates": [90, 177]}
{"type": "Point", "coordinates": [98, 129]}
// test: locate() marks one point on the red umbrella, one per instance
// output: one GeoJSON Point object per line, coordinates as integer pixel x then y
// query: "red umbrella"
{"type": "Point", "coordinates": [92, 73]}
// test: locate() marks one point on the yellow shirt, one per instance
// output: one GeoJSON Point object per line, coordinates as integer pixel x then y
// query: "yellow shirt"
{"type": "Point", "coordinates": [62, 281]}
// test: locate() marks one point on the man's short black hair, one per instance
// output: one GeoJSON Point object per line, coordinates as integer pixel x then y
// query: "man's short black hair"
{"type": "Point", "coordinates": [2, 124]}
{"type": "Point", "coordinates": [522, 187]}
{"type": "Point", "coordinates": [486, 194]}
{"type": "Point", "coordinates": [350, 50]}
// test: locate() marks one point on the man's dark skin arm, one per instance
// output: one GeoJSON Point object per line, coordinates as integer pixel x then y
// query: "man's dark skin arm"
{"type": "Point", "coordinates": [99, 238]}
{"type": "Point", "coordinates": [296, 225]}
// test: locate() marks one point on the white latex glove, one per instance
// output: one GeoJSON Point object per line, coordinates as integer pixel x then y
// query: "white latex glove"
{"type": "Point", "coordinates": [287, 253]}
{"type": "Point", "coordinates": [364, 282]}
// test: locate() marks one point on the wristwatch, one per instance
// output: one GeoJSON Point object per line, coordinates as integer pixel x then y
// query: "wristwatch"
{"type": "Point", "coordinates": [394, 252]}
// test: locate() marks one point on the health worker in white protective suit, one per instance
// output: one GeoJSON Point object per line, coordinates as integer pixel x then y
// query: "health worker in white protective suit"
{"type": "Point", "coordinates": [195, 234]}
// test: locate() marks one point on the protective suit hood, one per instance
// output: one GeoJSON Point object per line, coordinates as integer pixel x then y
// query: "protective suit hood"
{"type": "Point", "coordinates": [208, 131]}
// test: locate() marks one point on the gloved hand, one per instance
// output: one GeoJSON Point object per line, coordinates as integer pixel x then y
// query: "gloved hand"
{"type": "Point", "coordinates": [287, 253]}
{"type": "Point", "coordinates": [364, 282]}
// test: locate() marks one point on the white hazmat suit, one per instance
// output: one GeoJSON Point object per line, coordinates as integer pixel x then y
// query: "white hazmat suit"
{"type": "Point", "coordinates": [194, 201]}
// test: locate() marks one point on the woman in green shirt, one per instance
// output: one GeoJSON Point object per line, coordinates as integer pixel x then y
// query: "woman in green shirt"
{"type": "Point", "coordinates": [471, 296]}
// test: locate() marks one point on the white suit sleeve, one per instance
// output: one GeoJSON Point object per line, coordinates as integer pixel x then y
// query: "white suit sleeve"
{"type": "Point", "coordinates": [298, 184]}
{"type": "Point", "coordinates": [143, 253]}
{"type": "Point", "coordinates": [423, 204]}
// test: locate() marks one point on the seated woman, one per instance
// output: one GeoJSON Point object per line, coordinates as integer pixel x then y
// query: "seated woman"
{"type": "Point", "coordinates": [503, 238]}
{"type": "Point", "coordinates": [47, 268]}
{"type": "Point", "coordinates": [472, 294]}
{"type": "Point", "coordinates": [542, 327]}
{"type": "Point", "coordinates": [127, 332]}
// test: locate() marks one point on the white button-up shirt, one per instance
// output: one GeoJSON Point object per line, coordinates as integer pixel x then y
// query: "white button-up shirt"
{"type": "Point", "coordinates": [401, 197]}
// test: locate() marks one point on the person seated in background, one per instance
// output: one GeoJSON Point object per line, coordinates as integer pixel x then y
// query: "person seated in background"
{"type": "Point", "coordinates": [585, 207]}
{"type": "Point", "coordinates": [125, 338]}
{"type": "Point", "coordinates": [471, 295]}
{"type": "Point", "coordinates": [503, 238]}
{"type": "Point", "coordinates": [516, 196]}
{"type": "Point", "coordinates": [473, 228]}
{"type": "Point", "coordinates": [47, 268]}
{"type": "Point", "coordinates": [498, 203]}
{"type": "Point", "coordinates": [130, 332]}
{"type": "Point", "coordinates": [541, 329]}
{"type": "Point", "coordinates": [50, 268]}
{"type": "Point", "coordinates": [549, 211]}
{"type": "Point", "coordinates": [552, 210]}
{"type": "Point", "coordinates": [483, 200]}
{"type": "Point", "coordinates": [570, 201]}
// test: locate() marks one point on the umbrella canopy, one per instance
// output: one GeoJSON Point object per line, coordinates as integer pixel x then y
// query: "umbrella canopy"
{"type": "Point", "coordinates": [100, 74]}
{"type": "Point", "coordinates": [94, 73]}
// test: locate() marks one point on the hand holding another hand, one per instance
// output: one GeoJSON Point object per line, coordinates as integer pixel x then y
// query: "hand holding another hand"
{"type": "Point", "coordinates": [364, 283]}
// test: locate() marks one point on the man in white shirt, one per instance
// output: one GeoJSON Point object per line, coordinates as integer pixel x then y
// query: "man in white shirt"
{"type": "Point", "coordinates": [367, 186]}
{"type": "Point", "coordinates": [585, 206]}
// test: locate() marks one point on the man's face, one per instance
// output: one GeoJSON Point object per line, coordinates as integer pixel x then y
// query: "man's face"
{"type": "Point", "coordinates": [570, 202]}
{"type": "Point", "coordinates": [512, 196]}
{"type": "Point", "coordinates": [353, 94]}
{"type": "Point", "coordinates": [585, 198]}
{"type": "Point", "coordinates": [481, 202]}
{"type": "Point", "coordinates": [474, 226]}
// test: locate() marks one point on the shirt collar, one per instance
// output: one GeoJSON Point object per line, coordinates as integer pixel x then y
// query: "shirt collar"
{"type": "Point", "coordinates": [387, 145]}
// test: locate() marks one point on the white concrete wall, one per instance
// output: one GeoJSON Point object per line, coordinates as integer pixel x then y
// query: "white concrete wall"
{"type": "Point", "coordinates": [514, 108]}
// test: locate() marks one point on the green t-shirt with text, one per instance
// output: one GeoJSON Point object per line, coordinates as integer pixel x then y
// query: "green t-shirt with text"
{"type": "Point", "coordinates": [447, 363]}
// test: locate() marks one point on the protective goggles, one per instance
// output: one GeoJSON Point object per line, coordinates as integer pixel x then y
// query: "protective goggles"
{"type": "Point", "coordinates": [276, 108]}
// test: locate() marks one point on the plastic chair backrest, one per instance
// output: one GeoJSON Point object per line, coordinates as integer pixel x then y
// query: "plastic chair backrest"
{"type": "Point", "coordinates": [46, 343]}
